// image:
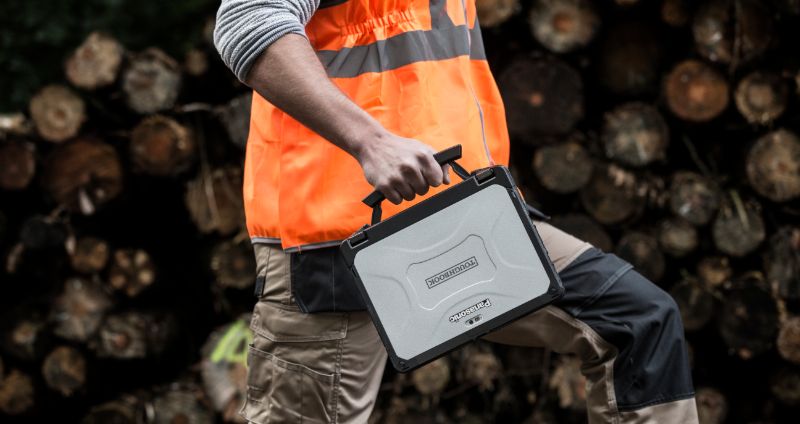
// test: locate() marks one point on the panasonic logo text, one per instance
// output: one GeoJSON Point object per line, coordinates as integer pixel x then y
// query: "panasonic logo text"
{"type": "Point", "coordinates": [471, 310]}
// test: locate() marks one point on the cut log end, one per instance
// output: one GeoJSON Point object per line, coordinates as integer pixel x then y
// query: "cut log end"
{"type": "Point", "coordinates": [761, 97]}
{"type": "Point", "coordinates": [712, 406]}
{"type": "Point", "coordinates": [563, 25]}
{"type": "Point", "coordinates": [78, 311]}
{"type": "Point", "coordinates": [738, 228]}
{"type": "Point", "coordinates": [635, 134]}
{"type": "Point", "coordinates": [493, 13]}
{"type": "Point", "coordinates": [773, 166]}
{"type": "Point", "coordinates": [643, 252]}
{"type": "Point", "coordinates": [233, 264]}
{"type": "Point", "coordinates": [675, 12]}
{"type": "Point", "coordinates": [95, 63]}
{"type": "Point", "coordinates": [214, 201]}
{"type": "Point", "coordinates": [677, 237]}
{"type": "Point", "coordinates": [563, 168]}
{"type": "Point", "coordinates": [782, 262]}
{"type": "Point", "coordinates": [90, 255]}
{"type": "Point", "coordinates": [695, 303]}
{"type": "Point", "coordinates": [694, 197]}
{"type": "Point", "coordinates": [610, 197]}
{"type": "Point", "coordinates": [789, 340]}
{"type": "Point", "coordinates": [132, 271]}
{"type": "Point", "coordinates": [151, 82]}
{"type": "Point", "coordinates": [17, 165]}
{"type": "Point", "coordinates": [161, 146]}
{"type": "Point", "coordinates": [432, 378]}
{"type": "Point", "coordinates": [715, 271]}
{"type": "Point", "coordinates": [695, 91]}
{"type": "Point", "coordinates": [57, 113]}
{"type": "Point", "coordinates": [64, 370]}
{"type": "Point", "coordinates": [732, 32]}
{"type": "Point", "coordinates": [16, 393]}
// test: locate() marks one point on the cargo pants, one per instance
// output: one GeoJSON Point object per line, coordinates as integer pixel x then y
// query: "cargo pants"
{"type": "Point", "coordinates": [327, 367]}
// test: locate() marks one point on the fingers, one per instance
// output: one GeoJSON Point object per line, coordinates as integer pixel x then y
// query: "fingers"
{"type": "Point", "coordinates": [446, 173]}
{"type": "Point", "coordinates": [431, 171]}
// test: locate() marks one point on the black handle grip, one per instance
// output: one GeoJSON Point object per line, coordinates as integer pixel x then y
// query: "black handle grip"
{"type": "Point", "coordinates": [447, 155]}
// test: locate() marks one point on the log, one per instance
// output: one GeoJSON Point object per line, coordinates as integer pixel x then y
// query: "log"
{"type": "Point", "coordinates": [17, 394]}
{"type": "Point", "coordinates": [233, 264]}
{"type": "Point", "coordinates": [95, 63]}
{"type": "Point", "coordinates": [748, 321]}
{"type": "Point", "coordinates": [563, 168]}
{"type": "Point", "coordinates": [714, 271]}
{"type": "Point", "coordinates": [493, 13]}
{"type": "Point", "coordinates": [695, 302]}
{"type": "Point", "coordinates": [782, 262]}
{"type": "Point", "coordinates": [132, 271]}
{"type": "Point", "coordinates": [214, 201]}
{"type": "Point", "coordinates": [738, 228]}
{"type": "Point", "coordinates": [789, 339]}
{"type": "Point", "coordinates": [677, 237]}
{"type": "Point", "coordinates": [693, 197]}
{"type": "Point", "coordinates": [161, 146]}
{"type": "Point", "coordinates": [128, 409]}
{"type": "Point", "coordinates": [195, 62]}
{"type": "Point", "coordinates": [82, 175]}
{"type": "Point", "coordinates": [26, 338]}
{"type": "Point", "coordinates": [42, 232]}
{"type": "Point", "coordinates": [584, 228]}
{"type": "Point", "coordinates": [17, 164]}
{"type": "Point", "coordinates": [695, 91]}
{"type": "Point", "coordinates": [134, 335]}
{"type": "Point", "coordinates": [64, 370]}
{"type": "Point", "coordinates": [431, 379]}
{"type": "Point", "coordinates": [569, 383]}
{"type": "Point", "coordinates": [224, 367]}
{"type": "Point", "coordinates": [761, 97]}
{"type": "Point", "coordinates": [628, 59]}
{"type": "Point", "coordinates": [675, 12]}
{"type": "Point", "coordinates": [479, 366]}
{"type": "Point", "coordinates": [14, 123]}
{"type": "Point", "coordinates": [77, 312]}
{"type": "Point", "coordinates": [542, 97]}
{"type": "Point", "coordinates": [712, 406]}
{"type": "Point", "coordinates": [610, 197]}
{"type": "Point", "coordinates": [785, 385]}
{"type": "Point", "coordinates": [57, 113]}
{"type": "Point", "coordinates": [642, 251]}
{"type": "Point", "coordinates": [89, 255]}
{"type": "Point", "coordinates": [635, 134]}
{"type": "Point", "coordinates": [151, 82]}
{"type": "Point", "coordinates": [563, 25]}
{"type": "Point", "coordinates": [773, 166]}
{"type": "Point", "coordinates": [732, 31]}
{"type": "Point", "coordinates": [179, 406]}
{"type": "Point", "coordinates": [235, 117]}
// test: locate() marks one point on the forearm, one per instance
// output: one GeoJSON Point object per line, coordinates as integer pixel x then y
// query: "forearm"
{"type": "Point", "coordinates": [289, 75]}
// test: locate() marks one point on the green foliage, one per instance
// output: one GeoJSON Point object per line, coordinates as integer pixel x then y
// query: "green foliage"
{"type": "Point", "coordinates": [36, 36]}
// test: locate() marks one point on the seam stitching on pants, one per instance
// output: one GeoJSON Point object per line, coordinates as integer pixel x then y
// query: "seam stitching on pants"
{"type": "Point", "coordinates": [603, 288]}
{"type": "Point", "coordinates": [337, 381]}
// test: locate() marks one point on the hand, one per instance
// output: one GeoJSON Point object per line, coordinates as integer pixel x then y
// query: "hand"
{"type": "Point", "coordinates": [401, 168]}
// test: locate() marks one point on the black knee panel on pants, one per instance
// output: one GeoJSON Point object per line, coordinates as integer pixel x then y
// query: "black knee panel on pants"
{"type": "Point", "coordinates": [640, 319]}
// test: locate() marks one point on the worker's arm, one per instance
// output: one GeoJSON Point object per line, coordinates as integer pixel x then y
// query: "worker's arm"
{"type": "Point", "coordinates": [263, 43]}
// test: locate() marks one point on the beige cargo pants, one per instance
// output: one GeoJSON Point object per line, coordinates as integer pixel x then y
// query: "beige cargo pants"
{"type": "Point", "coordinates": [327, 367]}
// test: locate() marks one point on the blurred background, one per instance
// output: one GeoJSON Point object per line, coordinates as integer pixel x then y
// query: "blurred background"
{"type": "Point", "coordinates": [662, 130]}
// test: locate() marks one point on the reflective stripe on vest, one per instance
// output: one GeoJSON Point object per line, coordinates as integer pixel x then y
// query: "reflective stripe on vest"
{"type": "Point", "coordinates": [415, 66]}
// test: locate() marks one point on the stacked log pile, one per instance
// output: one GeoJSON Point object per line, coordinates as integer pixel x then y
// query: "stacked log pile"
{"type": "Point", "coordinates": [667, 132]}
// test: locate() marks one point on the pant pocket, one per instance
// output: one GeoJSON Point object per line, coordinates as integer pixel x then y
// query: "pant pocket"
{"type": "Point", "coordinates": [279, 391]}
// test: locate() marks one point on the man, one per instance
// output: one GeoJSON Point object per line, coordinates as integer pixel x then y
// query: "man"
{"type": "Point", "coordinates": [355, 94]}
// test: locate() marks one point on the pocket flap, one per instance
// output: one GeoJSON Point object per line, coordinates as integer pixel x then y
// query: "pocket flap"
{"type": "Point", "coordinates": [281, 324]}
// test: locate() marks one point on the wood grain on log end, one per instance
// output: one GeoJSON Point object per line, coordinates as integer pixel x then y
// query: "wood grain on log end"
{"type": "Point", "coordinates": [64, 370]}
{"type": "Point", "coordinates": [78, 311]}
{"type": "Point", "coordinates": [738, 228]}
{"type": "Point", "coordinates": [161, 146]}
{"type": "Point", "coordinates": [695, 302]}
{"type": "Point", "coordinates": [677, 236]}
{"type": "Point", "coordinates": [715, 271]}
{"type": "Point", "coordinates": [151, 82]}
{"type": "Point", "coordinates": [26, 338]}
{"type": "Point", "coordinates": [635, 134]}
{"type": "Point", "coordinates": [789, 340]}
{"type": "Point", "coordinates": [493, 13]}
{"type": "Point", "coordinates": [542, 96]}
{"type": "Point", "coordinates": [90, 255]}
{"type": "Point", "coordinates": [610, 197]}
{"type": "Point", "coordinates": [761, 97]}
{"type": "Point", "coordinates": [712, 406]}
{"type": "Point", "coordinates": [695, 91]}
{"type": "Point", "coordinates": [180, 406]}
{"type": "Point", "coordinates": [563, 167]}
{"type": "Point", "coordinates": [233, 264]}
{"type": "Point", "coordinates": [95, 63]}
{"type": "Point", "coordinates": [132, 271]}
{"type": "Point", "coordinates": [16, 393]}
{"type": "Point", "coordinates": [782, 262]}
{"type": "Point", "coordinates": [214, 201]}
{"type": "Point", "coordinates": [643, 252]}
{"type": "Point", "coordinates": [563, 25]}
{"type": "Point", "coordinates": [57, 113]}
{"type": "Point", "coordinates": [693, 197]}
{"type": "Point", "coordinates": [17, 164]}
{"type": "Point", "coordinates": [773, 166]}
{"type": "Point", "coordinates": [432, 378]}
{"type": "Point", "coordinates": [83, 175]}
{"type": "Point", "coordinates": [732, 31]}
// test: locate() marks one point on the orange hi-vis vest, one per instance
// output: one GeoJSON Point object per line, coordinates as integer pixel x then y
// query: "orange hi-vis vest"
{"type": "Point", "coordinates": [416, 66]}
